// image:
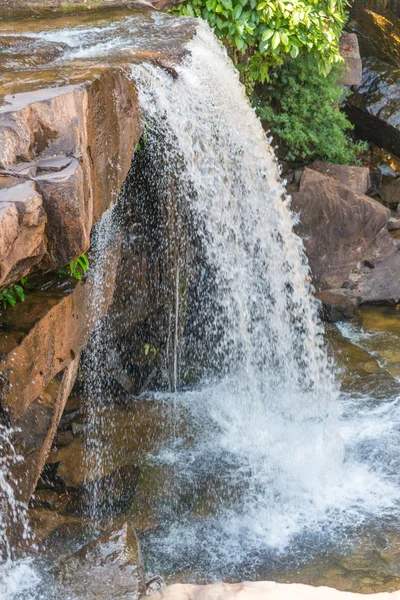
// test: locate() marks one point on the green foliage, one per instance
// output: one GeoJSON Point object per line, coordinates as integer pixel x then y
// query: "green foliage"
{"type": "Point", "coordinates": [13, 294]}
{"type": "Point", "coordinates": [302, 108]}
{"type": "Point", "coordinates": [143, 140]}
{"type": "Point", "coordinates": [76, 268]}
{"type": "Point", "coordinates": [263, 34]}
{"type": "Point", "coordinates": [148, 348]}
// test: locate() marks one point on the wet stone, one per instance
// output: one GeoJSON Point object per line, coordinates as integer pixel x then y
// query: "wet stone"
{"type": "Point", "coordinates": [111, 568]}
{"type": "Point", "coordinates": [108, 496]}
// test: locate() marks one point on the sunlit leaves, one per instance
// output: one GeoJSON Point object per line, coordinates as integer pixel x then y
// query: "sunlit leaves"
{"type": "Point", "coordinates": [264, 33]}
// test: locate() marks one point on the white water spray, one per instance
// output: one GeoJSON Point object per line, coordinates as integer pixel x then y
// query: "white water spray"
{"type": "Point", "coordinates": [272, 412]}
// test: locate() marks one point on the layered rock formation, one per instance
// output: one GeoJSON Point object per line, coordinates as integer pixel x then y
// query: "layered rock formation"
{"type": "Point", "coordinates": [69, 126]}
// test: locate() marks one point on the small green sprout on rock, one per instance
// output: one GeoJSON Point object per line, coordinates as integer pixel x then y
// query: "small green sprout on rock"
{"type": "Point", "coordinates": [13, 294]}
{"type": "Point", "coordinates": [76, 268]}
{"type": "Point", "coordinates": [147, 348]}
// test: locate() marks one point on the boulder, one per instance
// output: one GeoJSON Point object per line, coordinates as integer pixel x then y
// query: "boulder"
{"type": "Point", "coordinates": [351, 54]}
{"type": "Point", "coordinates": [393, 224]}
{"type": "Point", "coordinates": [355, 178]}
{"type": "Point", "coordinates": [382, 284]}
{"type": "Point", "coordinates": [338, 305]}
{"type": "Point", "coordinates": [390, 193]}
{"type": "Point", "coordinates": [22, 229]}
{"type": "Point", "coordinates": [374, 107]}
{"type": "Point", "coordinates": [260, 590]}
{"type": "Point", "coordinates": [76, 143]}
{"type": "Point", "coordinates": [378, 31]}
{"type": "Point", "coordinates": [340, 228]}
{"type": "Point", "coordinates": [110, 568]}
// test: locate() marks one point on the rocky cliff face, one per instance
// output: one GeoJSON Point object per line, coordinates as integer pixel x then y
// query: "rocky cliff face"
{"type": "Point", "coordinates": [69, 127]}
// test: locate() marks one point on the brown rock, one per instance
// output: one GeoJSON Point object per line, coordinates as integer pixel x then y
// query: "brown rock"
{"type": "Point", "coordinates": [36, 430]}
{"type": "Point", "coordinates": [338, 305]}
{"type": "Point", "coordinates": [22, 229]}
{"type": "Point", "coordinates": [355, 178]}
{"type": "Point", "coordinates": [92, 129]}
{"type": "Point", "coordinates": [114, 493]}
{"type": "Point", "coordinates": [351, 53]}
{"type": "Point", "coordinates": [382, 284]}
{"type": "Point", "coordinates": [69, 212]}
{"type": "Point", "coordinates": [393, 224]}
{"type": "Point", "coordinates": [110, 567]}
{"type": "Point", "coordinates": [87, 4]}
{"type": "Point", "coordinates": [390, 193]}
{"type": "Point", "coordinates": [54, 321]}
{"type": "Point", "coordinates": [378, 31]}
{"type": "Point", "coordinates": [339, 228]}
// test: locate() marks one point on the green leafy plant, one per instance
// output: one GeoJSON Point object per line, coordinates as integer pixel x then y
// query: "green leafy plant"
{"type": "Point", "coordinates": [149, 348]}
{"type": "Point", "coordinates": [76, 268]}
{"type": "Point", "coordinates": [302, 108]}
{"type": "Point", "coordinates": [13, 294]}
{"type": "Point", "coordinates": [263, 34]}
{"type": "Point", "coordinates": [143, 140]}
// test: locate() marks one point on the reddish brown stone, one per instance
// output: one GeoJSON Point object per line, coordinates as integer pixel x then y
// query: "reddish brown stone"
{"type": "Point", "coordinates": [339, 227]}
{"type": "Point", "coordinates": [22, 229]}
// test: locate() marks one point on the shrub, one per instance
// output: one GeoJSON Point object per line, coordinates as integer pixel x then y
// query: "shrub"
{"type": "Point", "coordinates": [261, 34]}
{"type": "Point", "coordinates": [302, 108]}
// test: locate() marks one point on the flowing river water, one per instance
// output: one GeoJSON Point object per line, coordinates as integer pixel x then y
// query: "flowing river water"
{"type": "Point", "coordinates": [265, 463]}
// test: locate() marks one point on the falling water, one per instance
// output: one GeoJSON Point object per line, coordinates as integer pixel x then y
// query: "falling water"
{"type": "Point", "coordinates": [264, 415]}
{"type": "Point", "coordinates": [266, 411]}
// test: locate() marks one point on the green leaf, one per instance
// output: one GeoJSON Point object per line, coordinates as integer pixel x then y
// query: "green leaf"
{"type": "Point", "coordinates": [19, 290]}
{"type": "Point", "coordinates": [11, 297]}
{"type": "Point", "coordinates": [237, 12]}
{"type": "Point", "coordinates": [294, 51]}
{"type": "Point", "coordinates": [284, 38]}
{"type": "Point", "coordinates": [276, 38]}
{"type": "Point", "coordinates": [267, 34]}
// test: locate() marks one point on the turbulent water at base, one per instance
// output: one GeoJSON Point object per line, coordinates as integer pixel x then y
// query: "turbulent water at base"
{"type": "Point", "coordinates": [267, 458]}
{"type": "Point", "coordinates": [267, 422]}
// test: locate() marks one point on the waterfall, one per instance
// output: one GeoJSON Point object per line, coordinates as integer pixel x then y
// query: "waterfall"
{"type": "Point", "coordinates": [250, 371]}
{"type": "Point", "coordinates": [266, 410]}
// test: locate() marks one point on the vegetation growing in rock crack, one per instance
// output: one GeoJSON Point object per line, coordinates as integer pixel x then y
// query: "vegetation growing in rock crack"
{"type": "Point", "coordinates": [13, 294]}
{"type": "Point", "coordinates": [76, 269]}
{"type": "Point", "coordinates": [301, 107]}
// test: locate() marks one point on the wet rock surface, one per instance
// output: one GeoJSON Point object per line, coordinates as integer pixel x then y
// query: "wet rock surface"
{"type": "Point", "coordinates": [35, 385]}
{"type": "Point", "coordinates": [69, 126]}
{"type": "Point", "coordinates": [110, 568]}
{"type": "Point", "coordinates": [26, 5]}
{"type": "Point", "coordinates": [374, 105]}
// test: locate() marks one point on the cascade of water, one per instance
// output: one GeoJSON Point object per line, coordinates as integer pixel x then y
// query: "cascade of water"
{"type": "Point", "coordinates": [106, 240]}
{"type": "Point", "coordinates": [265, 413]}
{"type": "Point", "coordinates": [268, 405]}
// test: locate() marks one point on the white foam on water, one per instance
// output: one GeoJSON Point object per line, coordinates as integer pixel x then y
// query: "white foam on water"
{"type": "Point", "coordinates": [274, 413]}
